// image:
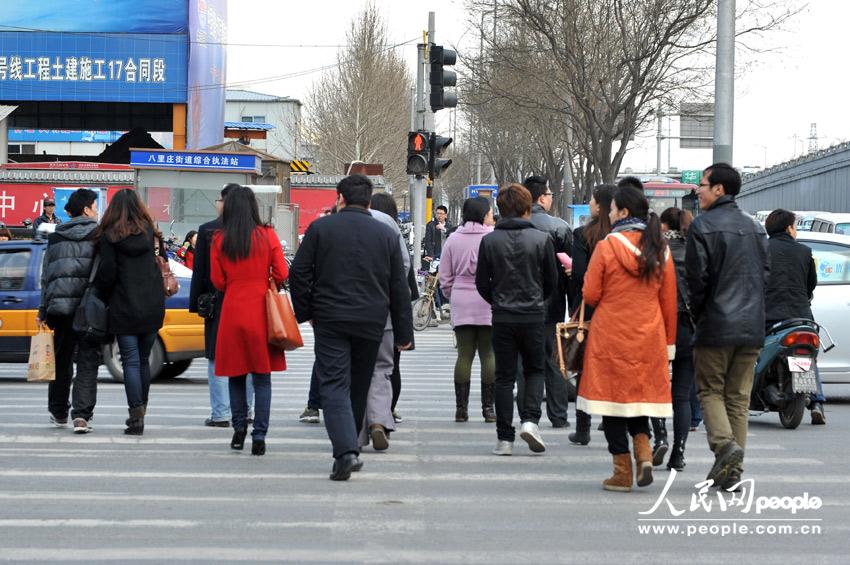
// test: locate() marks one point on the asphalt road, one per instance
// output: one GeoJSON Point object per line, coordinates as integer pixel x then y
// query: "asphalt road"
{"type": "Point", "coordinates": [180, 495]}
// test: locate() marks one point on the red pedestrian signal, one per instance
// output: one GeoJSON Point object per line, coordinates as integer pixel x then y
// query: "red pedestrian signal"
{"type": "Point", "coordinates": [417, 153]}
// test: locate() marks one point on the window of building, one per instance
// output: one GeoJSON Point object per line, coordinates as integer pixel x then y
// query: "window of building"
{"type": "Point", "coordinates": [254, 119]}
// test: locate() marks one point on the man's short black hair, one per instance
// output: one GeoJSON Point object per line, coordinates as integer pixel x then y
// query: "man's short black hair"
{"type": "Point", "coordinates": [631, 181]}
{"type": "Point", "coordinates": [536, 185]}
{"type": "Point", "coordinates": [356, 190]}
{"type": "Point", "coordinates": [726, 175]}
{"type": "Point", "coordinates": [443, 208]}
{"type": "Point", "coordinates": [79, 200]}
{"type": "Point", "coordinates": [778, 221]}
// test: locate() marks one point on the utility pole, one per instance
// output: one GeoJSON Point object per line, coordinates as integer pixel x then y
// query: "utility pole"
{"type": "Point", "coordinates": [658, 138]}
{"type": "Point", "coordinates": [724, 82]}
{"type": "Point", "coordinates": [424, 120]}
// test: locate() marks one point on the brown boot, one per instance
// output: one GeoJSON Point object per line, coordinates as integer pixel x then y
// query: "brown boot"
{"type": "Point", "coordinates": [643, 460]}
{"type": "Point", "coordinates": [621, 480]}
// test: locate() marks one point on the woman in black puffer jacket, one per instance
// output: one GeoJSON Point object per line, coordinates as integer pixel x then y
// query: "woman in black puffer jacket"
{"type": "Point", "coordinates": [130, 281]}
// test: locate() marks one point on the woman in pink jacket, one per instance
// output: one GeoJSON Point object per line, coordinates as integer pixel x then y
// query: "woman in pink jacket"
{"type": "Point", "coordinates": [471, 315]}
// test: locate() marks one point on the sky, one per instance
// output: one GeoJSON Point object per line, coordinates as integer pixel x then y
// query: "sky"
{"type": "Point", "coordinates": [801, 79]}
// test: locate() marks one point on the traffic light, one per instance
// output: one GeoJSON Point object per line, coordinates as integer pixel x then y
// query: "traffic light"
{"type": "Point", "coordinates": [440, 78]}
{"type": "Point", "coordinates": [436, 165]}
{"type": "Point", "coordinates": [418, 155]}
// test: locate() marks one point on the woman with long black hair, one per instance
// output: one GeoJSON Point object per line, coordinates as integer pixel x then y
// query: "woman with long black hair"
{"type": "Point", "coordinates": [631, 282]}
{"type": "Point", "coordinates": [585, 239]}
{"type": "Point", "coordinates": [245, 254]}
{"type": "Point", "coordinates": [129, 280]}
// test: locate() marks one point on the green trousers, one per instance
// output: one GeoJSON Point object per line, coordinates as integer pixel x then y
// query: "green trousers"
{"type": "Point", "coordinates": [724, 378]}
{"type": "Point", "coordinates": [469, 340]}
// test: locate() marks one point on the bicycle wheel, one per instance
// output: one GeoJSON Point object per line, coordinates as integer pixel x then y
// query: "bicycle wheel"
{"type": "Point", "coordinates": [422, 312]}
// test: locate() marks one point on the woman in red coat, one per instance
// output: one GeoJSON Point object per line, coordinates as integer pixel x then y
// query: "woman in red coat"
{"type": "Point", "coordinates": [631, 283]}
{"type": "Point", "coordinates": [244, 255]}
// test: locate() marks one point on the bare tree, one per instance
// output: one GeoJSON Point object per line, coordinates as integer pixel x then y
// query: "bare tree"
{"type": "Point", "coordinates": [358, 111]}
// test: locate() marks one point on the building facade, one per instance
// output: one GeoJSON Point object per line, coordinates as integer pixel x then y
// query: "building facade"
{"type": "Point", "coordinates": [282, 112]}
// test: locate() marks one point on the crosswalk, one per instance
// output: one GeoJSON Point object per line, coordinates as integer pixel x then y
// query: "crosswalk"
{"type": "Point", "coordinates": [179, 494]}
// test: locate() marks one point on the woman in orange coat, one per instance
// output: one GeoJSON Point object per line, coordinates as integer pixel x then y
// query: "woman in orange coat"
{"type": "Point", "coordinates": [244, 255]}
{"type": "Point", "coordinates": [631, 282]}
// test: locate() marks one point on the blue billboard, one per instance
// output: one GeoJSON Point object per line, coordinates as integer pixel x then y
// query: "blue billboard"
{"type": "Point", "coordinates": [63, 135]}
{"type": "Point", "coordinates": [197, 161]}
{"type": "Point", "coordinates": [122, 16]}
{"type": "Point", "coordinates": [88, 67]}
{"type": "Point", "coordinates": [207, 76]}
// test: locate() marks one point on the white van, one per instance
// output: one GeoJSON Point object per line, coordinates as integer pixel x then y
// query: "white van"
{"type": "Point", "coordinates": [832, 223]}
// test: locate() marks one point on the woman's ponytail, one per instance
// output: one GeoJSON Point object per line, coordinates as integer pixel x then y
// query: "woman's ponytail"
{"type": "Point", "coordinates": [652, 248]}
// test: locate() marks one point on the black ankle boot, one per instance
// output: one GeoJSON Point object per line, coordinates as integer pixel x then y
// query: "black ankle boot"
{"type": "Point", "coordinates": [462, 402]}
{"type": "Point", "coordinates": [582, 434]}
{"type": "Point", "coordinates": [660, 447]}
{"type": "Point", "coordinates": [488, 397]}
{"type": "Point", "coordinates": [677, 457]}
{"type": "Point", "coordinates": [238, 441]}
{"type": "Point", "coordinates": [258, 447]}
{"type": "Point", "coordinates": [136, 422]}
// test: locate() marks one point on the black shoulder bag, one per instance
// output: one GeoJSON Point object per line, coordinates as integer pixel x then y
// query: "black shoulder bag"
{"type": "Point", "coordinates": [91, 319]}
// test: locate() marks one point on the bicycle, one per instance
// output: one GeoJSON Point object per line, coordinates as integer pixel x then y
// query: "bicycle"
{"type": "Point", "coordinates": [425, 307]}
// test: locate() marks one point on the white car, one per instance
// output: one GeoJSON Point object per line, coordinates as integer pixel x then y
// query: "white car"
{"type": "Point", "coordinates": [831, 304]}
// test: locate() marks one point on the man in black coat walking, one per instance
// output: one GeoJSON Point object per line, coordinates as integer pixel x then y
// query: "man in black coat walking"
{"type": "Point", "coordinates": [791, 287]}
{"type": "Point", "coordinates": [202, 289]}
{"type": "Point", "coordinates": [727, 268]}
{"type": "Point", "coordinates": [561, 235]}
{"type": "Point", "coordinates": [347, 276]}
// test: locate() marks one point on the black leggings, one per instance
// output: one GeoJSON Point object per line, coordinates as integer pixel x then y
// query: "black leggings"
{"type": "Point", "coordinates": [618, 430]}
{"type": "Point", "coordinates": [395, 377]}
{"type": "Point", "coordinates": [683, 380]}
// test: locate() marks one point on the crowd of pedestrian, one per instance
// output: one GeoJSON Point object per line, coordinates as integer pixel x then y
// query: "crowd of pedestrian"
{"type": "Point", "coordinates": [679, 306]}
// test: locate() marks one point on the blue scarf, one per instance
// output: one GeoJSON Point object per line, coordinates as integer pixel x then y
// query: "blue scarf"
{"type": "Point", "coordinates": [629, 224]}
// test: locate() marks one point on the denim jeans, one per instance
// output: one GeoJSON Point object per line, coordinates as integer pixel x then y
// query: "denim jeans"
{"type": "Point", "coordinates": [262, 389]}
{"type": "Point", "coordinates": [818, 396]}
{"type": "Point", "coordinates": [219, 395]}
{"type": "Point", "coordinates": [135, 360]}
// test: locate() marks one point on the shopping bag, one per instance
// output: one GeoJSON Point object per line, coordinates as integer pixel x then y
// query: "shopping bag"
{"type": "Point", "coordinates": [42, 363]}
{"type": "Point", "coordinates": [571, 338]}
{"type": "Point", "coordinates": [282, 326]}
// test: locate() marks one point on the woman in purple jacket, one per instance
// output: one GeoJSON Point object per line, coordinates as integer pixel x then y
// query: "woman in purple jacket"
{"type": "Point", "coordinates": [471, 315]}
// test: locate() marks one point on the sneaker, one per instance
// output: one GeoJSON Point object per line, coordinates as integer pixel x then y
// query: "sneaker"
{"type": "Point", "coordinates": [309, 416]}
{"type": "Point", "coordinates": [397, 417]}
{"type": "Point", "coordinates": [81, 426]}
{"type": "Point", "coordinates": [59, 422]}
{"type": "Point", "coordinates": [818, 417]}
{"type": "Point", "coordinates": [531, 435]}
{"type": "Point", "coordinates": [504, 448]}
{"type": "Point", "coordinates": [729, 457]}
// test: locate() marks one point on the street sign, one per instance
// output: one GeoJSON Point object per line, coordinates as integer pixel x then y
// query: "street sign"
{"type": "Point", "coordinates": [474, 190]}
{"type": "Point", "coordinates": [691, 177]}
{"type": "Point", "coordinates": [195, 160]}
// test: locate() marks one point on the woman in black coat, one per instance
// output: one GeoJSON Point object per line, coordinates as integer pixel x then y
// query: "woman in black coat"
{"type": "Point", "coordinates": [585, 239]}
{"type": "Point", "coordinates": [129, 280]}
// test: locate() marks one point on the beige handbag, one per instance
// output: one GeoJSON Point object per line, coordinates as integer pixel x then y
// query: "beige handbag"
{"type": "Point", "coordinates": [572, 337]}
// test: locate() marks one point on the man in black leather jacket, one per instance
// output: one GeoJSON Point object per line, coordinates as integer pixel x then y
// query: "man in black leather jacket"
{"type": "Point", "coordinates": [68, 262]}
{"type": "Point", "coordinates": [561, 236]}
{"type": "Point", "coordinates": [516, 274]}
{"type": "Point", "coordinates": [791, 287]}
{"type": "Point", "coordinates": [727, 270]}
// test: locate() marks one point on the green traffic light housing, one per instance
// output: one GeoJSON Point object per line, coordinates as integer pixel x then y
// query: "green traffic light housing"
{"type": "Point", "coordinates": [436, 164]}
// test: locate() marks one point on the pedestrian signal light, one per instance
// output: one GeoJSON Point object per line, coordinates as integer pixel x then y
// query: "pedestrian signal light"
{"type": "Point", "coordinates": [436, 164]}
{"type": "Point", "coordinates": [417, 153]}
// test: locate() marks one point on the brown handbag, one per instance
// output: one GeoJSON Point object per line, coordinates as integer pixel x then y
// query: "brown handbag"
{"type": "Point", "coordinates": [282, 325]}
{"type": "Point", "coordinates": [169, 281]}
{"type": "Point", "coordinates": [572, 339]}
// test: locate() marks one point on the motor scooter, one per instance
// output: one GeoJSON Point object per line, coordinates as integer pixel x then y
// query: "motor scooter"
{"type": "Point", "coordinates": [786, 370]}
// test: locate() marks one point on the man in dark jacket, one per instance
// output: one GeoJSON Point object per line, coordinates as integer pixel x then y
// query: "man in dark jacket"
{"type": "Point", "coordinates": [48, 216]}
{"type": "Point", "coordinates": [727, 269]}
{"type": "Point", "coordinates": [516, 275]}
{"type": "Point", "coordinates": [67, 266]}
{"type": "Point", "coordinates": [791, 287]}
{"type": "Point", "coordinates": [436, 232]}
{"type": "Point", "coordinates": [347, 276]}
{"type": "Point", "coordinates": [561, 235]}
{"type": "Point", "coordinates": [202, 288]}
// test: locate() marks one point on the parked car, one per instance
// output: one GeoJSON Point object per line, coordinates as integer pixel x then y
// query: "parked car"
{"type": "Point", "coordinates": [180, 340]}
{"type": "Point", "coordinates": [831, 304]}
{"type": "Point", "coordinates": [826, 222]}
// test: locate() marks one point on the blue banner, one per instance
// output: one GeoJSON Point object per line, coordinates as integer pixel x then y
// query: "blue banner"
{"type": "Point", "coordinates": [34, 135]}
{"type": "Point", "coordinates": [93, 68]}
{"type": "Point", "coordinates": [192, 160]}
{"type": "Point", "coordinates": [122, 16]}
{"type": "Point", "coordinates": [207, 76]}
